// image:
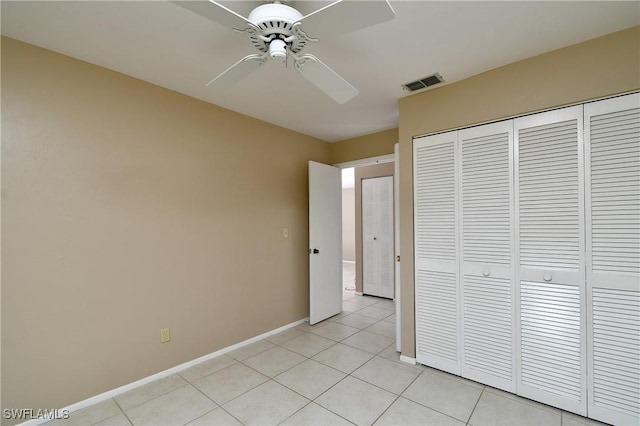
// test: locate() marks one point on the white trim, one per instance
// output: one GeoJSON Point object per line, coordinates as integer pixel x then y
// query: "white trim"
{"type": "Point", "coordinates": [349, 261]}
{"type": "Point", "coordinates": [396, 231]}
{"type": "Point", "coordinates": [408, 360]}
{"type": "Point", "coordinates": [513, 117]}
{"type": "Point", "coordinates": [388, 158]}
{"type": "Point", "coordinates": [359, 293]}
{"type": "Point", "coordinates": [125, 388]}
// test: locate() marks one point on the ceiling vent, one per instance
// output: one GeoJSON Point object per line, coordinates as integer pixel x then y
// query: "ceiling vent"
{"type": "Point", "coordinates": [423, 82]}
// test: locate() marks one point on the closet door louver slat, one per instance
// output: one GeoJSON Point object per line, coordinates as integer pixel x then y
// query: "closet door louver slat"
{"type": "Point", "coordinates": [612, 138]}
{"type": "Point", "coordinates": [486, 245]}
{"type": "Point", "coordinates": [548, 225]}
{"type": "Point", "coordinates": [550, 338]}
{"type": "Point", "coordinates": [437, 294]}
{"type": "Point", "coordinates": [550, 256]}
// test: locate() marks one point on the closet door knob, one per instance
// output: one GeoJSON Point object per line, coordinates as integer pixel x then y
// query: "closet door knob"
{"type": "Point", "coordinates": [486, 272]}
{"type": "Point", "coordinates": [547, 277]}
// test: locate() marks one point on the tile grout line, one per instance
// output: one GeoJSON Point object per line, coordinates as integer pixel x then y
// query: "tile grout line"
{"type": "Point", "coordinates": [433, 409]}
{"type": "Point", "coordinates": [347, 375]}
{"type": "Point", "coordinates": [398, 395]}
{"type": "Point", "coordinates": [235, 361]}
{"type": "Point", "coordinates": [386, 409]}
{"type": "Point", "coordinates": [475, 405]}
{"type": "Point", "coordinates": [155, 397]}
{"type": "Point", "coordinates": [123, 412]}
{"type": "Point", "coordinates": [296, 412]}
{"type": "Point", "coordinates": [237, 396]}
{"type": "Point", "coordinates": [210, 411]}
{"type": "Point", "coordinates": [273, 378]}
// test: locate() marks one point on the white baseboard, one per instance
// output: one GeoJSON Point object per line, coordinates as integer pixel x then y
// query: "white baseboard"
{"type": "Point", "coordinates": [408, 360]}
{"type": "Point", "coordinates": [126, 388]}
{"type": "Point", "coordinates": [358, 293]}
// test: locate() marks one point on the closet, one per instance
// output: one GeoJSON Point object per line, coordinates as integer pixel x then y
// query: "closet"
{"type": "Point", "coordinates": [527, 256]}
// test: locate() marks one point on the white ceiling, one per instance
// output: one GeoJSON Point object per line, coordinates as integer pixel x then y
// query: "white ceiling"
{"type": "Point", "coordinates": [167, 45]}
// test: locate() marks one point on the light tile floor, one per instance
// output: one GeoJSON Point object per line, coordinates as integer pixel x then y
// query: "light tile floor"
{"type": "Point", "coordinates": [342, 371]}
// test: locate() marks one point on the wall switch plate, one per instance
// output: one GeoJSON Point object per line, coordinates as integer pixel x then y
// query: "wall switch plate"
{"type": "Point", "coordinates": [165, 335]}
{"type": "Point", "coordinates": [285, 232]}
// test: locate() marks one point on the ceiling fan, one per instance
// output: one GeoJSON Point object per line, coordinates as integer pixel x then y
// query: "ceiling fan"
{"type": "Point", "coordinates": [278, 31]}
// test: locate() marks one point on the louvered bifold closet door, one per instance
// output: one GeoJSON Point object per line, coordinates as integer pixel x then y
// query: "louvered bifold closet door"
{"type": "Point", "coordinates": [550, 272]}
{"type": "Point", "coordinates": [436, 280]}
{"type": "Point", "coordinates": [612, 147]}
{"type": "Point", "coordinates": [488, 292]}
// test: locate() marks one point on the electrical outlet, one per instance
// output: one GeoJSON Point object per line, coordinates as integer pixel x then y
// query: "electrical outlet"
{"type": "Point", "coordinates": [285, 232]}
{"type": "Point", "coordinates": [165, 335]}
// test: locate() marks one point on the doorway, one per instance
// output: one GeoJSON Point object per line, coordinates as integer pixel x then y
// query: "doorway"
{"type": "Point", "coordinates": [354, 244]}
{"type": "Point", "coordinates": [348, 233]}
{"type": "Point", "coordinates": [352, 271]}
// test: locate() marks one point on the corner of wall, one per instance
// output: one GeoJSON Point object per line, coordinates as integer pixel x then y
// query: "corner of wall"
{"type": "Point", "coordinates": [367, 146]}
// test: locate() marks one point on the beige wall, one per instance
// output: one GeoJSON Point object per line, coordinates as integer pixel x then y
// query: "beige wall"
{"type": "Point", "coordinates": [372, 145]}
{"type": "Point", "coordinates": [601, 67]}
{"type": "Point", "coordinates": [348, 224]}
{"type": "Point", "coordinates": [127, 208]}
{"type": "Point", "coordinates": [366, 172]}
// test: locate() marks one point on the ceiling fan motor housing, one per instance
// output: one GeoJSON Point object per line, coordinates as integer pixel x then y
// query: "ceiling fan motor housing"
{"type": "Point", "coordinates": [277, 30]}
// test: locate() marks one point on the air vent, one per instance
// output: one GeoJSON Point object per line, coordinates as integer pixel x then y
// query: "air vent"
{"type": "Point", "coordinates": [423, 82]}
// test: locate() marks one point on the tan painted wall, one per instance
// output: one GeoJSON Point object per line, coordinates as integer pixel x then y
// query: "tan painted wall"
{"type": "Point", "coordinates": [367, 146]}
{"type": "Point", "coordinates": [601, 67]}
{"type": "Point", "coordinates": [127, 208]}
{"type": "Point", "coordinates": [366, 172]}
{"type": "Point", "coordinates": [349, 224]}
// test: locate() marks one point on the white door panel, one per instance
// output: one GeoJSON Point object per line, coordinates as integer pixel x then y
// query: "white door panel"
{"type": "Point", "coordinates": [436, 252]}
{"type": "Point", "coordinates": [377, 236]}
{"type": "Point", "coordinates": [486, 247]}
{"type": "Point", "coordinates": [325, 242]}
{"type": "Point", "coordinates": [612, 145]}
{"type": "Point", "coordinates": [549, 193]}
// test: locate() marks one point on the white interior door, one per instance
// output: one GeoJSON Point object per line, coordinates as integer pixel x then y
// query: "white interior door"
{"type": "Point", "coordinates": [325, 242]}
{"type": "Point", "coordinates": [612, 150]}
{"type": "Point", "coordinates": [486, 271]}
{"type": "Point", "coordinates": [436, 248]}
{"type": "Point", "coordinates": [551, 258]}
{"type": "Point", "coordinates": [377, 236]}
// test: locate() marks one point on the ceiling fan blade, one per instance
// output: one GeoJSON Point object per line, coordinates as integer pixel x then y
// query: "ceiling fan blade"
{"type": "Point", "coordinates": [325, 79]}
{"type": "Point", "coordinates": [238, 71]}
{"type": "Point", "coordinates": [216, 12]}
{"type": "Point", "coordinates": [345, 16]}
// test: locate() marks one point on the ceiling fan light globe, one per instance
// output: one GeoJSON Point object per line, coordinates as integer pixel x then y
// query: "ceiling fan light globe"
{"type": "Point", "coordinates": [278, 50]}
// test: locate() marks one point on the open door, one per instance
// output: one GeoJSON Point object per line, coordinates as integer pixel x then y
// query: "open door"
{"type": "Point", "coordinates": [325, 242]}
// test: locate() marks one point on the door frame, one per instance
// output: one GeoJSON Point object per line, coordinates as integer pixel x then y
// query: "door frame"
{"type": "Point", "coordinates": [381, 159]}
